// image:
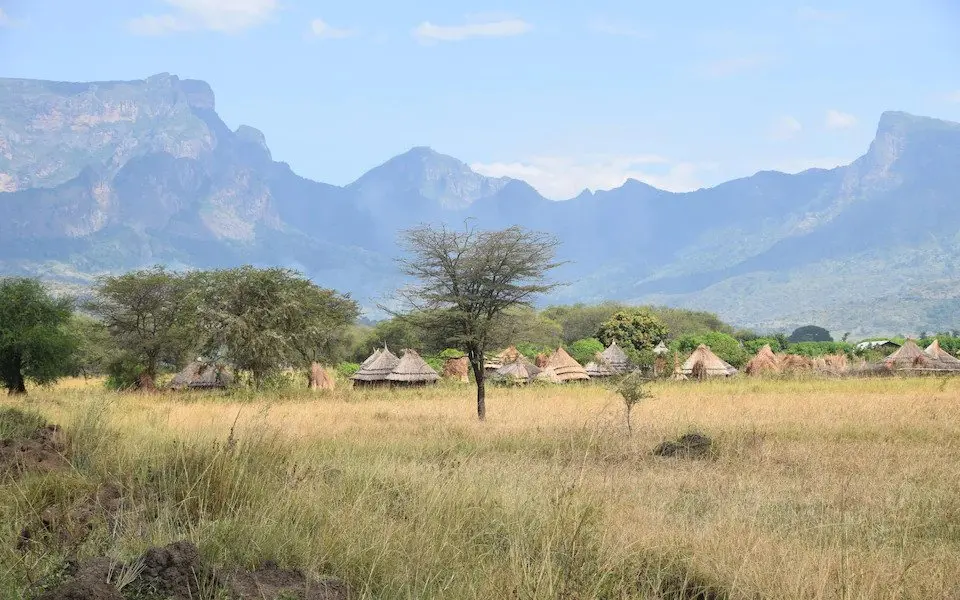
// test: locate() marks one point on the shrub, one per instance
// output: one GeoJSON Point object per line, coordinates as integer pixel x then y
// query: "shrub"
{"type": "Point", "coordinates": [584, 351]}
{"type": "Point", "coordinates": [346, 370]}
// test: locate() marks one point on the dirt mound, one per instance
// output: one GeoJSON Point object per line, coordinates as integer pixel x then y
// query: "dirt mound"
{"type": "Point", "coordinates": [688, 445]}
{"type": "Point", "coordinates": [66, 526]}
{"type": "Point", "coordinates": [271, 582]}
{"type": "Point", "coordinates": [41, 452]}
{"type": "Point", "coordinates": [176, 572]}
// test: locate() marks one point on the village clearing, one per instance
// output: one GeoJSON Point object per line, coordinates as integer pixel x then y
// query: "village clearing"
{"type": "Point", "coordinates": [846, 489]}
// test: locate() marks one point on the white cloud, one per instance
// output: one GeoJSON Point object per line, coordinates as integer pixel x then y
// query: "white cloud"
{"type": "Point", "coordinates": [427, 32]}
{"type": "Point", "coordinates": [321, 29]}
{"type": "Point", "coordinates": [820, 15]}
{"type": "Point", "coordinates": [562, 178]}
{"type": "Point", "coordinates": [840, 120]}
{"type": "Point", "coordinates": [615, 28]}
{"type": "Point", "coordinates": [728, 67]}
{"type": "Point", "coordinates": [785, 128]}
{"type": "Point", "coordinates": [228, 16]}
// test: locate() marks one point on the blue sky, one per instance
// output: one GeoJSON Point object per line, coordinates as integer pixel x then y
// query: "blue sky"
{"type": "Point", "coordinates": [679, 94]}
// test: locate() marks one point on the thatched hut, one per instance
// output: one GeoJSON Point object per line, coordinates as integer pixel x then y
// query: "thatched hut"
{"type": "Point", "coordinates": [548, 375]}
{"type": "Point", "coordinates": [565, 367]}
{"type": "Point", "coordinates": [614, 359]}
{"type": "Point", "coordinates": [370, 358]}
{"type": "Point", "coordinates": [457, 369]}
{"type": "Point", "coordinates": [911, 358]}
{"type": "Point", "coordinates": [518, 372]}
{"type": "Point", "coordinates": [374, 372]}
{"type": "Point", "coordinates": [704, 363]}
{"type": "Point", "coordinates": [945, 358]}
{"type": "Point", "coordinates": [492, 363]}
{"type": "Point", "coordinates": [200, 375]}
{"type": "Point", "coordinates": [412, 371]}
{"type": "Point", "coordinates": [598, 370]}
{"type": "Point", "coordinates": [764, 362]}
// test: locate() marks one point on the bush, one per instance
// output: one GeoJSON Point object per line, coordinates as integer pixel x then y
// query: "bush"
{"type": "Point", "coordinates": [122, 373]}
{"type": "Point", "coordinates": [584, 351]}
{"type": "Point", "coordinates": [450, 353]}
{"type": "Point", "coordinates": [813, 349]}
{"type": "Point", "coordinates": [346, 370]}
{"type": "Point", "coordinates": [723, 345]}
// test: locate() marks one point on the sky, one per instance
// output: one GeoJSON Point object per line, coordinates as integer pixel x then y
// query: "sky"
{"type": "Point", "coordinates": [566, 96]}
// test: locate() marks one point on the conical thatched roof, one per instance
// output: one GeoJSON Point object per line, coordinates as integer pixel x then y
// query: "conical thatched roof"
{"type": "Point", "coordinates": [704, 361]}
{"type": "Point", "coordinates": [615, 359]}
{"type": "Point", "coordinates": [910, 356]}
{"type": "Point", "coordinates": [661, 349]}
{"type": "Point", "coordinates": [598, 369]}
{"type": "Point", "coordinates": [413, 370]}
{"type": "Point", "coordinates": [548, 374]}
{"type": "Point", "coordinates": [378, 368]}
{"type": "Point", "coordinates": [935, 351]}
{"type": "Point", "coordinates": [518, 370]}
{"type": "Point", "coordinates": [371, 358]}
{"type": "Point", "coordinates": [565, 367]}
{"type": "Point", "coordinates": [201, 375]}
{"type": "Point", "coordinates": [764, 362]}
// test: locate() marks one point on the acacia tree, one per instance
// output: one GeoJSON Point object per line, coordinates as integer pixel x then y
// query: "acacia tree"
{"type": "Point", "coordinates": [466, 279]}
{"type": "Point", "coordinates": [33, 340]}
{"type": "Point", "coordinates": [264, 319]}
{"type": "Point", "coordinates": [149, 316]}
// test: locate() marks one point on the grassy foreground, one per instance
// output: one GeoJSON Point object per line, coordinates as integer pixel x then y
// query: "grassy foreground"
{"type": "Point", "coordinates": [820, 489]}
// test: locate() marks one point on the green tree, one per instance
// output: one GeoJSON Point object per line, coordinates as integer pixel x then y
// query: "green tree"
{"type": "Point", "coordinates": [262, 320]}
{"type": "Point", "coordinates": [585, 350]}
{"type": "Point", "coordinates": [636, 330]}
{"type": "Point", "coordinates": [149, 314]}
{"type": "Point", "coordinates": [580, 321]}
{"type": "Point", "coordinates": [810, 333]}
{"type": "Point", "coordinates": [95, 350]}
{"type": "Point", "coordinates": [632, 390]}
{"type": "Point", "coordinates": [34, 342]}
{"type": "Point", "coordinates": [467, 279]}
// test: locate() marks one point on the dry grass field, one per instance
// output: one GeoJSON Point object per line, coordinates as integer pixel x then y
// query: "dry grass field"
{"type": "Point", "coordinates": [816, 489]}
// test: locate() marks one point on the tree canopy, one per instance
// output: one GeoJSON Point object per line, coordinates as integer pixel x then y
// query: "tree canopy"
{"type": "Point", "coordinates": [636, 330]}
{"type": "Point", "coordinates": [810, 333]}
{"type": "Point", "coordinates": [34, 343]}
{"type": "Point", "coordinates": [465, 280]}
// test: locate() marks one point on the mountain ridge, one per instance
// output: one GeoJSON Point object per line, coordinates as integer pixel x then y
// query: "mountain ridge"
{"type": "Point", "coordinates": [114, 175]}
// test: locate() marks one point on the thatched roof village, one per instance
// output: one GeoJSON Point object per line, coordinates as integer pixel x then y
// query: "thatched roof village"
{"type": "Point", "coordinates": [412, 370]}
{"type": "Point", "coordinates": [614, 359]}
{"type": "Point", "coordinates": [565, 368]}
{"type": "Point", "coordinates": [375, 369]}
{"type": "Point", "coordinates": [201, 375]}
{"type": "Point", "coordinates": [518, 371]}
{"type": "Point", "coordinates": [935, 351]}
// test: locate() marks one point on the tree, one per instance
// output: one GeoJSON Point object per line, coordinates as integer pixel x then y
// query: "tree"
{"type": "Point", "coordinates": [34, 343]}
{"type": "Point", "coordinates": [632, 390]}
{"type": "Point", "coordinates": [636, 330]}
{"type": "Point", "coordinates": [264, 319]}
{"type": "Point", "coordinates": [95, 352]}
{"type": "Point", "coordinates": [465, 280]}
{"type": "Point", "coordinates": [585, 350]}
{"type": "Point", "coordinates": [810, 333]}
{"type": "Point", "coordinates": [149, 315]}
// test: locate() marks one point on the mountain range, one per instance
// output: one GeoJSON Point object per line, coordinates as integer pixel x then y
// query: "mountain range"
{"type": "Point", "coordinates": [108, 176]}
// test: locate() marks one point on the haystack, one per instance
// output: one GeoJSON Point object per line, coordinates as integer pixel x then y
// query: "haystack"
{"type": "Point", "coordinates": [319, 378]}
{"type": "Point", "coordinates": [834, 364]}
{"type": "Point", "coordinates": [518, 371]}
{"type": "Point", "coordinates": [764, 362]}
{"type": "Point", "coordinates": [614, 359]}
{"type": "Point", "coordinates": [565, 367]}
{"type": "Point", "coordinates": [541, 361]}
{"type": "Point", "coordinates": [200, 375]}
{"type": "Point", "coordinates": [412, 371]}
{"type": "Point", "coordinates": [910, 357]}
{"type": "Point", "coordinates": [948, 360]}
{"type": "Point", "coordinates": [375, 371]}
{"type": "Point", "coordinates": [794, 363]}
{"type": "Point", "coordinates": [457, 369]}
{"type": "Point", "coordinates": [704, 363]}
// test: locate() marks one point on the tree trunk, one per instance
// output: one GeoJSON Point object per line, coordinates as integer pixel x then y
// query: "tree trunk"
{"type": "Point", "coordinates": [476, 361]}
{"type": "Point", "coordinates": [17, 385]}
{"type": "Point", "coordinates": [629, 425]}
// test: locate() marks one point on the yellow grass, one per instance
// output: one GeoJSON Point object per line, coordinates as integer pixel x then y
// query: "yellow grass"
{"type": "Point", "coordinates": [820, 489]}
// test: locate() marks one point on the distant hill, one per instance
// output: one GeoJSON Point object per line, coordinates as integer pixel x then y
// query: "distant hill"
{"type": "Point", "coordinates": [108, 176]}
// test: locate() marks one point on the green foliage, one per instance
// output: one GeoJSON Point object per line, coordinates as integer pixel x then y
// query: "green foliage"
{"type": "Point", "coordinates": [346, 370]}
{"type": "Point", "coordinates": [531, 351]}
{"type": "Point", "coordinates": [397, 333]}
{"type": "Point", "coordinates": [149, 315]}
{"type": "Point", "coordinates": [123, 372]}
{"type": "Point", "coordinates": [523, 325]}
{"type": "Point", "coordinates": [632, 389]}
{"type": "Point", "coordinates": [584, 351]}
{"type": "Point", "coordinates": [580, 321]}
{"type": "Point", "coordinates": [810, 333]}
{"type": "Point", "coordinates": [814, 349]}
{"type": "Point", "coordinates": [722, 344]}
{"type": "Point", "coordinates": [95, 348]}
{"type": "Point", "coordinates": [450, 353]}
{"type": "Point", "coordinates": [637, 330]}
{"type": "Point", "coordinates": [753, 346]}
{"type": "Point", "coordinates": [264, 319]}
{"type": "Point", "coordinates": [680, 321]}
{"type": "Point", "coordinates": [34, 340]}
{"type": "Point", "coordinates": [435, 362]}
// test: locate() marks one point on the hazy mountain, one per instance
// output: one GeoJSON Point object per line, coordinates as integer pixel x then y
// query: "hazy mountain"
{"type": "Point", "coordinates": [102, 177]}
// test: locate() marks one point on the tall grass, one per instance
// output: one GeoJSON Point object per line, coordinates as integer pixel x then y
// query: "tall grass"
{"type": "Point", "coordinates": [844, 489]}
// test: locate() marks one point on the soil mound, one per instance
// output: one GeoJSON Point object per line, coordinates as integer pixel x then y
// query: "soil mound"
{"type": "Point", "coordinates": [688, 445]}
{"type": "Point", "coordinates": [271, 582]}
{"type": "Point", "coordinates": [176, 572]}
{"type": "Point", "coordinates": [41, 452]}
{"type": "Point", "coordinates": [70, 525]}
